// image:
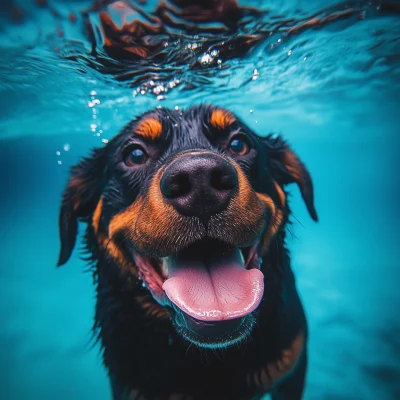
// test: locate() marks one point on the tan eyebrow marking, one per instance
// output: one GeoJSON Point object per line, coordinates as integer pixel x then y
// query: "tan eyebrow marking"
{"type": "Point", "coordinates": [149, 128]}
{"type": "Point", "coordinates": [221, 119]}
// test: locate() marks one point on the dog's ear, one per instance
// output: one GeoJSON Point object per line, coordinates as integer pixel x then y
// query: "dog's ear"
{"type": "Point", "coordinates": [286, 167]}
{"type": "Point", "coordinates": [80, 198]}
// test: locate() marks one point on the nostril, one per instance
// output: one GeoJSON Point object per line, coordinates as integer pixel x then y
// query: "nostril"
{"type": "Point", "coordinates": [175, 185]}
{"type": "Point", "coordinates": [199, 185]}
{"type": "Point", "coordinates": [222, 180]}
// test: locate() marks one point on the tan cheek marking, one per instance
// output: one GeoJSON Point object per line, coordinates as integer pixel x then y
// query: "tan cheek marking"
{"type": "Point", "coordinates": [124, 219]}
{"type": "Point", "coordinates": [275, 223]}
{"type": "Point", "coordinates": [281, 194]}
{"type": "Point", "coordinates": [222, 119]}
{"type": "Point", "coordinates": [274, 371]}
{"type": "Point", "coordinates": [245, 191]}
{"type": "Point", "coordinates": [149, 128]}
{"type": "Point", "coordinates": [97, 216]}
{"type": "Point", "coordinates": [156, 218]}
{"type": "Point", "coordinates": [106, 243]}
{"type": "Point", "coordinates": [268, 202]}
{"type": "Point", "coordinates": [247, 200]}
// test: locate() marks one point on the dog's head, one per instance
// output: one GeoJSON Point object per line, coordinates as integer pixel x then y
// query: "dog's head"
{"type": "Point", "coordinates": [188, 202]}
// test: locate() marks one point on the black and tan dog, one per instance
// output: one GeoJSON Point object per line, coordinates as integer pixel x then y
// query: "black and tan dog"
{"type": "Point", "coordinates": [186, 215]}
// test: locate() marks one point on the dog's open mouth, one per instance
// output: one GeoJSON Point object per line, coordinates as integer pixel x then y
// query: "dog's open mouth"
{"type": "Point", "coordinates": [212, 286]}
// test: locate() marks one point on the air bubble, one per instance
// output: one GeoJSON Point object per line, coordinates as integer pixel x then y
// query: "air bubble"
{"type": "Point", "coordinates": [206, 59]}
{"type": "Point", "coordinates": [158, 89]}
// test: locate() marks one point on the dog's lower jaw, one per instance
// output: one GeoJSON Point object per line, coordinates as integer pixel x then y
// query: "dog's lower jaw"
{"type": "Point", "coordinates": [232, 332]}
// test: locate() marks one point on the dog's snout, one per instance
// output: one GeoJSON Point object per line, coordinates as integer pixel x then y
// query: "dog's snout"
{"type": "Point", "coordinates": [199, 185]}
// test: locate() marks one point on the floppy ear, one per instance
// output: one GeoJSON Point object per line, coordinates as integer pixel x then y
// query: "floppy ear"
{"type": "Point", "coordinates": [287, 168]}
{"type": "Point", "coordinates": [79, 199]}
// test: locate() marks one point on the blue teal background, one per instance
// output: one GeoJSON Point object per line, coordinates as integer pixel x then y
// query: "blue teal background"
{"type": "Point", "coordinates": [336, 98]}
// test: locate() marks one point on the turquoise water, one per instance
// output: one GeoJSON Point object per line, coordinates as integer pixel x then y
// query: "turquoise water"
{"type": "Point", "coordinates": [333, 92]}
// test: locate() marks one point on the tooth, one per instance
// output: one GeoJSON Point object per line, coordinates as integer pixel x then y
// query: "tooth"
{"type": "Point", "coordinates": [241, 257]}
{"type": "Point", "coordinates": [164, 267]}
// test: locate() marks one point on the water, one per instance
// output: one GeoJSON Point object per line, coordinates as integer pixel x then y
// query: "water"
{"type": "Point", "coordinates": [332, 90]}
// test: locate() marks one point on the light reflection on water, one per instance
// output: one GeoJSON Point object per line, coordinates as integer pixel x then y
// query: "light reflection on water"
{"type": "Point", "coordinates": [333, 92]}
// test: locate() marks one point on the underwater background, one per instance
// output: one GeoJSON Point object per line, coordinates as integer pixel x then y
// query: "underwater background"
{"type": "Point", "coordinates": [326, 75]}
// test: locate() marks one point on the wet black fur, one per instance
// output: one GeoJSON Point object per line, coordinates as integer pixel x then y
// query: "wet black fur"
{"type": "Point", "coordinates": [145, 352]}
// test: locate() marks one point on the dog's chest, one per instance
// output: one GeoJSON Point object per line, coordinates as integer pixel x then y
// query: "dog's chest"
{"type": "Point", "coordinates": [176, 378]}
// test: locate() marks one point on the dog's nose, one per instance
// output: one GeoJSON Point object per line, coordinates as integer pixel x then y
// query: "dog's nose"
{"type": "Point", "coordinates": [199, 185]}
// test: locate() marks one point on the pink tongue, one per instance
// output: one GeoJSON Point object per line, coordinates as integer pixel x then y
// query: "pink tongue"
{"type": "Point", "coordinates": [216, 289]}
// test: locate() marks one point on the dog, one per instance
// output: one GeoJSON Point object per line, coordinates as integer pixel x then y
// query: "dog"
{"type": "Point", "coordinates": [186, 213]}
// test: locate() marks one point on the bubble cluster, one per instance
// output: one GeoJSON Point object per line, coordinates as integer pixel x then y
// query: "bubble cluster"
{"type": "Point", "coordinates": [158, 88]}
{"type": "Point", "coordinates": [66, 147]}
{"type": "Point", "coordinates": [210, 58]}
{"type": "Point", "coordinates": [95, 126]}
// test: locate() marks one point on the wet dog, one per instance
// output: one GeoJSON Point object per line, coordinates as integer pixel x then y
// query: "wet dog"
{"type": "Point", "coordinates": [186, 214]}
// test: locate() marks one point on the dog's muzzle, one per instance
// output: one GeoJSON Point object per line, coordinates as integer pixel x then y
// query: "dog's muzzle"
{"type": "Point", "coordinates": [199, 184]}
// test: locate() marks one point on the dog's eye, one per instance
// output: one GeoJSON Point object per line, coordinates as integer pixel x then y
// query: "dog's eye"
{"type": "Point", "coordinates": [137, 156]}
{"type": "Point", "coordinates": [239, 146]}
